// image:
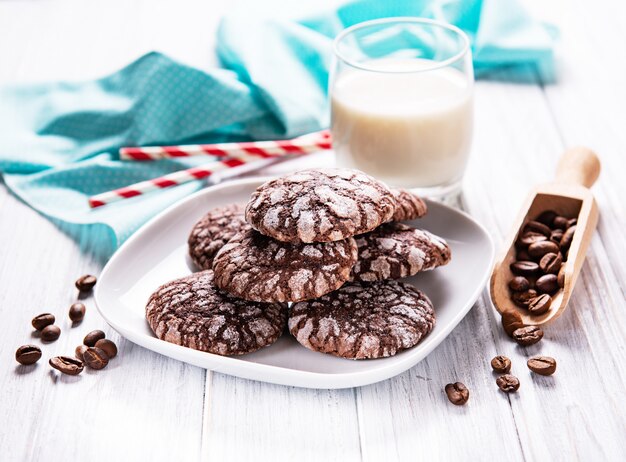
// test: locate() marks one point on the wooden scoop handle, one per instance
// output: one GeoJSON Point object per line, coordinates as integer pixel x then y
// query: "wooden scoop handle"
{"type": "Point", "coordinates": [578, 165]}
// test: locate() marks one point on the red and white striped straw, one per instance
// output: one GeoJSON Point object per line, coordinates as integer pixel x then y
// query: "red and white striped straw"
{"type": "Point", "coordinates": [301, 145]}
{"type": "Point", "coordinates": [236, 158]}
{"type": "Point", "coordinates": [165, 181]}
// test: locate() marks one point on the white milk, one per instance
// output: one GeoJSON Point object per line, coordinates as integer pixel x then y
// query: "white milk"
{"type": "Point", "coordinates": [408, 129]}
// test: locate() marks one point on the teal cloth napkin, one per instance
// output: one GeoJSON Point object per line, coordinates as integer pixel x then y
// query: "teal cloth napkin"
{"type": "Point", "coordinates": [59, 141]}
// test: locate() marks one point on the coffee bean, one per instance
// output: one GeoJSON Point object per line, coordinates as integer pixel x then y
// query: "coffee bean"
{"type": "Point", "coordinates": [537, 227]}
{"type": "Point", "coordinates": [85, 283]}
{"type": "Point", "coordinates": [108, 347]}
{"type": "Point", "coordinates": [95, 358]}
{"type": "Point", "coordinates": [80, 351]}
{"type": "Point", "coordinates": [519, 284]}
{"type": "Point", "coordinates": [540, 304]}
{"type": "Point", "coordinates": [28, 354]}
{"type": "Point", "coordinates": [511, 321]}
{"type": "Point", "coordinates": [560, 279]}
{"type": "Point", "coordinates": [542, 365]}
{"type": "Point", "coordinates": [529, 238]}
{"type": "Point", "coordinates": [523, 298]}
{"type": "Point", "coordinates": [507, 383]}
{"type": "Point", "coordinates": [547, 284]}
{"type": "Point", "coordinates": [524, 268]}
{"type": "Point", "coordinates": [567, 238]}
{"type": "Point", "coordinates": [77, 312]}
{"type": "Point", "coordinates": [547, 217]}
{"type": "Point", "coordinates": [556, 236]}
{"type": "Point", "coordinates": [523, 255]}
{"type": "Point", "coordinates": [458, 394]}
{"type": "Point", "coordinates": [528, 335]}
{"type": "Point", "coordinates": [560, 223]}
{"type": "Point", "coordinates": [67, 365]}
{"type": "Point", "coordinates": [50, 333]}
{"type": "Point", "coordinates": [42, 320]}
{"type": "Point", "coordinates": [551, 263]}
{"type": "Point", "coordinates": [92, 337]}
{"type": "Point", "coordinates": [572, 222]}
{"type": "Point", "coordinates": [539, 249]}
{"type": "Point", "coordinates": [501, 364]}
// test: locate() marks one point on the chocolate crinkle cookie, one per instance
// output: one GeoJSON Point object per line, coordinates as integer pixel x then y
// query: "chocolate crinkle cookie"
{"type": "Point", "coordinates": [320, 205]}
{"type": "Point", "coordinates": [363, 320]}
{"type": "Point", "coordinates": [214, 230]}
{"type": "Point", "coordinates": [408, 205]}
{"type": "Point", "coordinates": [192, 312]}
{"type": "Point", "coordinates": [256, 267]}
{"type": "Point", "coordinates": [395, 250]}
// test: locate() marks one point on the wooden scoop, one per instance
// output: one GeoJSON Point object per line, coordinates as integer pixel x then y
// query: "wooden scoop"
{"type": "Point", "coordinates": [568, 196]}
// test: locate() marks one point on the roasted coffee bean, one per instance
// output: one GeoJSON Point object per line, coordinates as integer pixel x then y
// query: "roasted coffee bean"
{"type": "Point", "coordinates": [519, 284]}
{"type": "Point", "coordinates": [511, 321]}
{"type": "Point", "coordinates": [501, 364]}
{"type": "Point", "coordinates": [542, 365]}
{"type": "Point", "coordinates": [458, 394]}
{"type": "Point", "coordinates": [77, 312]}
{"type": "Point", "coordinates": [67, 365]}
{"type": "Point", "coordinates": [50, 333]}
{"type": "Point", "coordinates": [28, 354]}
{"type": "Point", "coordinates": [537, 227]}
{"type": "Point", "coordinates": [85, 283]}
{"type": "Point", "coordinates": [572, 222]}
{"type": "Point", "coordinates": [507, 383]}
{"type": "Point", "coordinates": [539, 249]}
{"type": "Point", "coordinates": [108, 347]}
{"type": "Point", "coordinates": [529, 238]}
{"type": "Point", "coordinates": [92, 337]}
{"type": "Point", "coordinates": [551, 263]}
{"type": "Point", "coordinates": [540, 304]}
{"type": "Point", "coordinates": [522, 255]}
{"type": "Point", "coordinates": [547, 217]}
{"type": "Point", "coordinates": [95, 358]}
{"type": "Point", "coordinates": [42, 320]}
{"type": "Point", "coordinates": [567, 238]}
{"type": "Point", "coordinates": [560, 279]}
{"type": "Point", "coordinates": [528, 335]}
{"type": "Point", "coordinates": [524, 268]}
{"type": "Point", "coordinates": [556, 236]}
{"type": "Point", "coordinates": [547, 284]}
{"type": "Point", "coordinates": [560, 223]}
{"type": "Point", "coordinates": [524, 298]}
{"type": "Point", "coordinates": [80, 351]}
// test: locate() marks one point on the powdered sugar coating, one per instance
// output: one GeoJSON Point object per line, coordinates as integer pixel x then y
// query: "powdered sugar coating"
{"type": "Point", "coordinates": [214, 230]}
{"type": "Point", "coordinates": [408, 205]}
{"type": "Point", "coordinates": [192, 312]}
{"type": "Point", "coordinates": [395, 250]}
{"type": "Point", "coordinates": [321, 205]}
{"type": "Point", "coordinates": [256, 267]}
{"type": "Point", "coordinates": [363, 320]}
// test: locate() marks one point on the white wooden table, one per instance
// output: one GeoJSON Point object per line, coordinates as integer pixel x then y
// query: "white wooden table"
{"type": "Point", "coordinates": [148, 407]}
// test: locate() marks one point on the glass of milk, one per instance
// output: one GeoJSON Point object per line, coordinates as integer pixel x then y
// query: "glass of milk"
{"type": "Point", "coordinates": [401, 97]}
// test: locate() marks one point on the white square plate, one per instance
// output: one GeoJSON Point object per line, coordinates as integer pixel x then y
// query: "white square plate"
{"type": "Point", "coordinates": [157, 253]}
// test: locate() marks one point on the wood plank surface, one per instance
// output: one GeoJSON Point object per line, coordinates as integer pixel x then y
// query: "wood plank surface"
{"type": "Point", "coordinates": [147, 407]}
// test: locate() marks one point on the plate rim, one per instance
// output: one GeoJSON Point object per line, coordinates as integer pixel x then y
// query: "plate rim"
{"type": "Point", "coordinates": [281, 375]}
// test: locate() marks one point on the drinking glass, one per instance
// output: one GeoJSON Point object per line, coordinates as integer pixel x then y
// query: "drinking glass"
{"type": "Point", "coordinates": [401, 94]}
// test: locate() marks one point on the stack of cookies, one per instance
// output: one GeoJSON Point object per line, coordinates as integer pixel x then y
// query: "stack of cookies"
{"type": "Point", "coordinates": [330, 242]}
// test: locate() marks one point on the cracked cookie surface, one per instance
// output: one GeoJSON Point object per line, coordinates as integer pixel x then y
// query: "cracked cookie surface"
{"type": "Point", "coordinates": [321, 205]}
{"type": "Point", "coordinates": [363, 320]}
{"type": "Point", "coordinates": [192, 312]}
{"type": "Point", "coordinates": [214, 230]}
{"type": "Point", "coordinates": [408, 205]}
{"type": "Point", "coordinates": [257, 267]}
{"type": "Point", "coordinates": [395, 250]}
